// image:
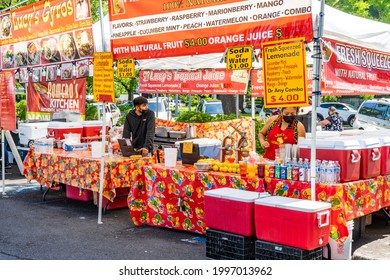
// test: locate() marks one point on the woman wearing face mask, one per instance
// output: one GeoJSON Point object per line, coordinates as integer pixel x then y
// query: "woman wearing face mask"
{"type": "Point", "coordinates": [140, 126]}
{"type": "Point", "coordinates": [281, 129]}
{"type": "Point", "coordinates": [333, 122]}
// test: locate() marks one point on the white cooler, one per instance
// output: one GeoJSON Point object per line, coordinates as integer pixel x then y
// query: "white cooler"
{"type": "Point", "coordinates": [31, 131]}
{"type": "Point", "coordinates": [208, 147]}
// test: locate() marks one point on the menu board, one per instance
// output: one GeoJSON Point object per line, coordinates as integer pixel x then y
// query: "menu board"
{"type": "Point", "coordinates": [7, 101]}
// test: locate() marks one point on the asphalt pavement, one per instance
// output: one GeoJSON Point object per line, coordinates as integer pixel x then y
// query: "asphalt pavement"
{"type": "Point", "coordinates": [65, 229]}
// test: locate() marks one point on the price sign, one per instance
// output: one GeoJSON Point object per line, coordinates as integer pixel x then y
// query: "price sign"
{"type": "Point", "coordinates": [103, 77]}
{"type": "Point", "coordinates": [126, 68]}
{"type": "Point", "coordinates": [239, 58]}
{"type": "Point", "coordinates": [285, 75]}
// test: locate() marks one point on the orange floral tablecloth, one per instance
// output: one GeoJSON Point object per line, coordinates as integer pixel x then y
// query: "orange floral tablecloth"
{"type": "Point", "coordinates": [174, 197]}
{"type": "Point", "coordinates": [349, 200]}
{"type": "Point", "coordinates": [79, 169]}
{"type": "Point", "coordinates": [216, 130]}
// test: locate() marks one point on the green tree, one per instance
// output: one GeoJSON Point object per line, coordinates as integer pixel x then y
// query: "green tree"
{"type": "Point", "coordinates": [378, 10]}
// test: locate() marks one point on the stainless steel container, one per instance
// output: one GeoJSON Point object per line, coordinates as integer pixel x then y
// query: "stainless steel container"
{"type": "Point", "coordinates": [162, 131]}
{"type": "Point", "coordinates": [191, 131]}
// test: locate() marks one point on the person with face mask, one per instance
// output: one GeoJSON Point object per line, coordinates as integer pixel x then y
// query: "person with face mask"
{"type": "Point", "coordinates": [281, 129]}
{"type": "Point", "coordinates": [140, 126]}
{"type": "Point", "coordinates": [333, 122]}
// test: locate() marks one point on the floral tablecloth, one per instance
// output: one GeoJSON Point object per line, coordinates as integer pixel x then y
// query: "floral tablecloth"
{"type": "Point", "coordinates": [349, 200]}
{"type": "Point", "coordinates": [78, 168]}
{"type": "Point", "coordinates": [174, 197]}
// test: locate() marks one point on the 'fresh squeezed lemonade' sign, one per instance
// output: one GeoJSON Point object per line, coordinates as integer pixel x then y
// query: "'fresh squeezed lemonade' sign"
{"type": "Point", "coordinates": [103, 78]}
{"type": "Point", "coordinates": [285, 76]}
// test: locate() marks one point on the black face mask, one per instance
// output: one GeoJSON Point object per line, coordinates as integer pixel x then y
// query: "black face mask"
{"type": "Point", "coordinates": [289, 119]}
{"type": "Point", "coordinates": [144, 111]}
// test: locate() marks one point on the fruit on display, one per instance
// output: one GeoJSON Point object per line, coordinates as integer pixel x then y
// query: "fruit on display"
{"type": "Point", "coordinates": [226, 167]}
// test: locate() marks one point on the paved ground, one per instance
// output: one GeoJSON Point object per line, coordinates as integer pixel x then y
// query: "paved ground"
{"type": "Point", "coordinates": [60, 228]}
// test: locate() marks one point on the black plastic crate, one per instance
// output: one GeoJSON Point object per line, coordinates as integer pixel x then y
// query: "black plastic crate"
{"type": "Point", "coordinates": [272, 251]}
{"type": "Point", "coordinates": [221, 245]}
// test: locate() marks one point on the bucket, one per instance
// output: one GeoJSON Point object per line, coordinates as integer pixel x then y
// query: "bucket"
{"type": "Point", "coordinates": [170, 155]}
{"type": "Point", "coordinates": [96, 148]}
{"type": "Point", "coordinates": [343, 252]}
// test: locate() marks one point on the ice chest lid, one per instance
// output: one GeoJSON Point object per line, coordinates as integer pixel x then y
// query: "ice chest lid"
{"type": "Point", "coordinates": [202, 142]}
{"type": "Point", "coordinates": [65, 125]}
{"type": "Point", "coordinates": [235, 194]}
{"type": "Point", "coordinates": [302, 205]}
{"type": "Point", "coordinates": [369, 142]}
{"type": "Point", "coordinates": [334, 143]}
{"type": "Point", "coordinates": [92, 123]}
{"type": "Point", "coordinates": [34, 124]}
{"type": "Point", "coordinates": [384, 140]}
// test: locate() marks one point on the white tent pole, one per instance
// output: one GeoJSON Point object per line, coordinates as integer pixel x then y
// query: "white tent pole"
{"type": "Point", "coordinates": [102, 24]}
{"type": "Point", "coordinates": [316, 95]}
{"type": "Point", "coordinates": [3, 160]}
{"type": "Point", "coordinates": [103, 147]}
{"type": "Point", "coordinates": [101, 181]}
{"type": "Point", "coordinates": [253, 124]}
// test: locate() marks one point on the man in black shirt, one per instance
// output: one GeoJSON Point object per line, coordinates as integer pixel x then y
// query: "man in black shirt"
{"type": "Point", "coordinates": [140, 126]}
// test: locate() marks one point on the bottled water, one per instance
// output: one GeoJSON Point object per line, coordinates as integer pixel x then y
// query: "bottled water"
{"type": "Point", "coordinates": [330, 173]}
{"type": "Point", "coordinates": [318, 171]}
{"type": "Point", "coordinates": [323, 167]}
{"type": "Point", "coordinates": [337, 170]}
{"type": "Point", "coordinates": [306, 165]}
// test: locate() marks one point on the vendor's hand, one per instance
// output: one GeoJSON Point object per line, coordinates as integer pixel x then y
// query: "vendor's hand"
{"type": "Point", "coordinates": [265, 144]}
{"type": "Point", "coordinates": [144, 152]}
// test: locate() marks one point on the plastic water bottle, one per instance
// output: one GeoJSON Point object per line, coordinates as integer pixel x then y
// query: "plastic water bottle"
{"type": "Point", "coordinates": [330, 173]}
{"type": "Point", "coordinates": [306, 165]}
{"type": "Point", "coordinates": [323, 167]}
{"type": "Point", "coordinates": [110, 150]}
{"type": "Point", "coordinates": [337, 170]}
{"type": "Point", "coordinates": [318, 171]}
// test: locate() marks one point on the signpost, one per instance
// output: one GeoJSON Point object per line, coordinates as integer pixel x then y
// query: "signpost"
{"type": "Point", "coordinates": [103, 91]}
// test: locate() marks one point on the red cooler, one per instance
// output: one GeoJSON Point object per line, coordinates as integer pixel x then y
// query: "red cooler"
{"type": "Point", "coordinates": [293, 222]}
{"type": "Point", "coordinates": [345, 151]}
{"type": "Point", "coordinates": [385, 155]}
{"type": "Point", "coordinates": [371, 157]}
{"type": "Point", "coordinates": [231, 210]}
{"type": "Point", "coordinates": [57, 130]}
{"type": "Point", "coordinates": [93, 128]}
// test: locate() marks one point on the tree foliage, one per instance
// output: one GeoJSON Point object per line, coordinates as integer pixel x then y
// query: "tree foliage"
{"type": "Point", "coordinates": [378, 10]}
